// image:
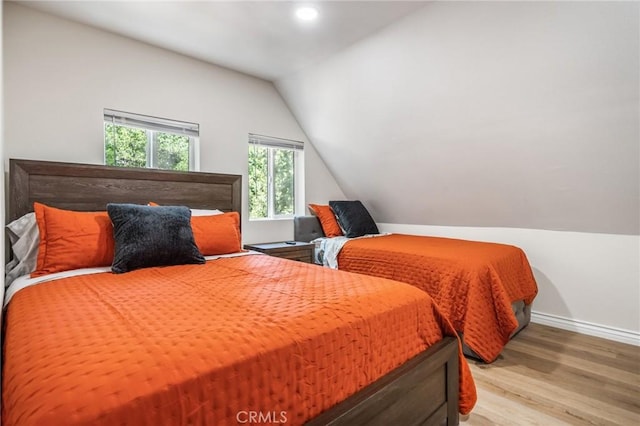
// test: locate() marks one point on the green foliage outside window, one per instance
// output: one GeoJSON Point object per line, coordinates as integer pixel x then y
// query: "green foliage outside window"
{"type": "Point", "coordinates": [283, 181]}
{"type": "Point", "coordinates": [127, 147]}
{"type": "Point", "coordinates": [280, 164]}
{"type": "Point", "coordinates": [172, 151]}
{"type": "Point", "coordinates": [258, 181]}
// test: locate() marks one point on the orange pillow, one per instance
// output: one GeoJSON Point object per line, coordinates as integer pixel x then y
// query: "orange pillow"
{"type": "Point", "coordinates": [217, 234]}
{"type": "Point", "coordinates": [327, 219]}
{"type": "Point", "coordinates": [72, 240]}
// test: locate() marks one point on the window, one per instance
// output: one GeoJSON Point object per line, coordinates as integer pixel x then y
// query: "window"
{"type": "Point", "coordinates": [276, 177]}
{"type": "Point", "coordinates": [134, 140]}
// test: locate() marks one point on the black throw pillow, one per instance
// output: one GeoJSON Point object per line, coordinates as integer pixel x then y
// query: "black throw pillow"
{"type": "Point", "coordinates": [354, 219]}
{"type": "Point", "coordinates": [148, 236]}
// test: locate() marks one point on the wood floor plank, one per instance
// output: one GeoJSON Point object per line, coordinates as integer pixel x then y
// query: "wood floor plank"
{"type": "Point", "coordinates": [605, 356]}
{"type": "Point", "coordinates": [497, 412]}
{"type": "Point", "coordinates": [575, 369]}
{"type": "Point", "coordinates": [549, 376]}
{"type": "Point", "coordinates": [578, 404]}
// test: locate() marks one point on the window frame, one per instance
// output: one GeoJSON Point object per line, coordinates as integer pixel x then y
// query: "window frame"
{"type": "Point", "coordinates": [272, 144]}
{"type": "Point", "coordinates": [152, 127]}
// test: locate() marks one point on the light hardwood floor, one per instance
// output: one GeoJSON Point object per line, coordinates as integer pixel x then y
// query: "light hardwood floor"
{"type": "Point", "coordinates": [548, 376]}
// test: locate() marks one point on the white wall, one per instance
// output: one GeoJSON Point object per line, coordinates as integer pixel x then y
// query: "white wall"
{"type": "Point", "coordinates": [2, 202]}
{"type": "Point", "coordinates": [587, 282]}
{"type": "Point", "coordinates": [497, 114]}
{"type": "Point", "coordinates": [59, 76]}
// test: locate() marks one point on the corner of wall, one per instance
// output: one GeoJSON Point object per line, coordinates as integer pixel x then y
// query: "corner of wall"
{"type": "Point", "coordinates": [337, 192]}
{"type": "Point", "coordinates": [2, 201]}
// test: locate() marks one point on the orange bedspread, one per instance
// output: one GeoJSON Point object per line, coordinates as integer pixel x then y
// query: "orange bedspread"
{"type": "Point", "coordinates": [197, 344]}
{"type": "Point", "coordinates": [473, 283]}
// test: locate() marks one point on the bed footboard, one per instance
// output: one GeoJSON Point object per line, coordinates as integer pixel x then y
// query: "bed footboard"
{"type": "Point", "coordinates": [422, 391]}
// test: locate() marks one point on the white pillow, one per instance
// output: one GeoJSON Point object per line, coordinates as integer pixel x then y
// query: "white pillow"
{"type": "Point", "coordinates": [25, 238]}
{"type": "Point", "coordinates": [200, 212]}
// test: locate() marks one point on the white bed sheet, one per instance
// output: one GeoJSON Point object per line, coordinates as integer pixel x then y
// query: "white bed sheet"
{"type": "Point", "coordinates": [328, 249]}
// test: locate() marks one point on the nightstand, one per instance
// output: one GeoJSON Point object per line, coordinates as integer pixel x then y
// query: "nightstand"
{"type": "Point", "coordinates": [302, 252]}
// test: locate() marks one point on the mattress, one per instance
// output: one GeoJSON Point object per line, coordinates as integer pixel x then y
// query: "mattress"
{"type": "Point", "coordinates": [479, 286]}
{"type": "Point", "coordinates": [199, 344]}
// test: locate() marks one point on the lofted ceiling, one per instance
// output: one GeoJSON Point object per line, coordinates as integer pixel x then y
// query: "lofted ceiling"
{"type": "Point", "coordinates": [487, 114]}
{"type": "Point", "coordinates": [260, 38]}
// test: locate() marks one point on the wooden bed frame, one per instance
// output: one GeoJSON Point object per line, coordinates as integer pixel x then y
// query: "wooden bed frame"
{"type": "Point", "coordinates": [424, 390]}
{"type": "Point", "coordinates": [86, 187]}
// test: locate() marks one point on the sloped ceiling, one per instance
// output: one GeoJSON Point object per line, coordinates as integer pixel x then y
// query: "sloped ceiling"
{"type": "Point", "coordinates": [486, 114]}
{"type": "Point", "coordinates": [260, 38]}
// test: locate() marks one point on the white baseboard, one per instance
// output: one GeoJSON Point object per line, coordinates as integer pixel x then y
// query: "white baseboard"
{"type": "Point", "coordinates": [583, 327]}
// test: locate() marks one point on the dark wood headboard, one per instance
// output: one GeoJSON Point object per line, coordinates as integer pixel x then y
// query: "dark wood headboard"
{"type": "Point", "coordinates": [88, 187]}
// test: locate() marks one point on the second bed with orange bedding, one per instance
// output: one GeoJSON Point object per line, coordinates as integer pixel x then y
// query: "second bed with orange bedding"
{"type": "Point", "coordinates": [197, 344]}
{"type": "Point", "coordinates": [474, 283]}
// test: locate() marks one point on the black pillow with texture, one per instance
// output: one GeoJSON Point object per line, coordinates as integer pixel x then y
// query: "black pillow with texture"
{"type": "Point", "coordinates": [354, 219]}
{"type": "Point", "coordinates": [148, 236]}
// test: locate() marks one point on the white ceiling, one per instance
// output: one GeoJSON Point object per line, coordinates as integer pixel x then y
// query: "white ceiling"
{"type": "Point", "coordinates": [261, 38]}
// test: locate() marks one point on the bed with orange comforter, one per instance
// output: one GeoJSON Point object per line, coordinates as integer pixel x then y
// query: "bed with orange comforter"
{"type": "Point", "coordinates": [197, 344]}
{"type": "Point", "coordinates": [473, 283]}
{"type": "Point", "coordinates": [484, 289]}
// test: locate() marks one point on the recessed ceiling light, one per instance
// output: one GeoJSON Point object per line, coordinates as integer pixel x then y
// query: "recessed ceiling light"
{"type": "Point", "coordinates": [307, 13]}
